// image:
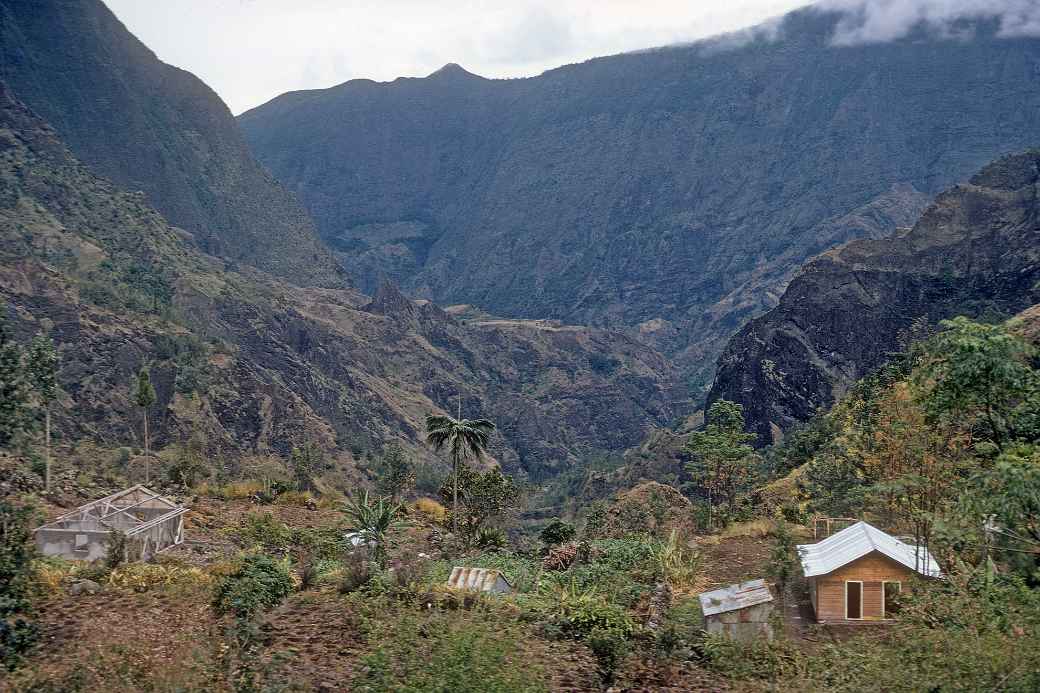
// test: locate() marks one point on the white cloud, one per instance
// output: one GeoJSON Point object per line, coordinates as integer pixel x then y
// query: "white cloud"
{"type": "Point", "coordinates": [877, 21]}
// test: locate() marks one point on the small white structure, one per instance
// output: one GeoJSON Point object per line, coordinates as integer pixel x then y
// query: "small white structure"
{"type": "Point", "coordinates": [741, 612]}
{"type": "Point", "coordinates": [150, 522]}
{"type": "Point", "coordinates": [479, 579]}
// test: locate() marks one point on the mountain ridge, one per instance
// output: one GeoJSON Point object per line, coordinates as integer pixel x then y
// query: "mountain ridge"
{"type": "Point", "coordinates": [679, 187]}
{"type": "Point", "coordinates": [975, 252]}
{"type": "Point", "coordinates": [157, 128]}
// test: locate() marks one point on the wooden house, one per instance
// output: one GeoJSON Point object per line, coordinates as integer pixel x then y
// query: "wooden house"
{"type": "Point", "coordinates": [856, 574]}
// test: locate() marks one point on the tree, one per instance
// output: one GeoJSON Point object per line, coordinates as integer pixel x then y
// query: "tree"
{"type": "Point", "coordinates": [483, 496]}
{"type": "Point", "coordinates": [17, 552]}
{"type": "Point", "coordinates": [978, 373]}
{"type": "Point", "coordinates": [396, 472]}
{"type": "Point", "coordinates": [463, 437]}
{"type": "Point", "coordinates": [144, 397]}
{"type": "Point", "coordinates": [305, 463]}
{"type": "Point", "coordinates": [723, 459]}
{"type": "Point", "coordinates": [42, 368]}
{"type": "Point", "coordinates": [14, 389]}
{"type": "Point", "coordinates": [373, 520]}
{"type": "Point", "coordinates": [783, 561]}
{"type": "Point", "coordinates": [557, 532]}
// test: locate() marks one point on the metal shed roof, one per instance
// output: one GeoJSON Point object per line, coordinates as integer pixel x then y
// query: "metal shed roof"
{"type": "Point", "coordinates": [735, 597]}
{"type": "Point", "coordinates": [480, 579]}
{"type": "Point", "coordinates": [855, 542]}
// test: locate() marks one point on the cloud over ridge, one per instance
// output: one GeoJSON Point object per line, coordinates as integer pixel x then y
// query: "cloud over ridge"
{"type": "Point", "coordinates": [878, 21]}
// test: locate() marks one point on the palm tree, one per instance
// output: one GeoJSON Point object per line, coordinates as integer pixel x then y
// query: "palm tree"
{"type": "Point", "coordinates": [462, 437]}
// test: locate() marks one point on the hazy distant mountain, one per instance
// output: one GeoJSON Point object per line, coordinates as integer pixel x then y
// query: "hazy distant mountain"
{"type": "Point", "coordinates": [675, 189]}
{"type": "Point", "coordinates": [152, 127]}
{"type": "Point", "coordinates": [975, 252]}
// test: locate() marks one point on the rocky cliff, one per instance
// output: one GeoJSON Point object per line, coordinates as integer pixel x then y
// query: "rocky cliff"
{"type": "Point", "coordinates": [670, 191]}
{"type": "Point", "coordinates": [975, 252]}
{"type": "Point", "coordinates": [151, 127]}
{"type": "Point", "coordinates": [249, 363]}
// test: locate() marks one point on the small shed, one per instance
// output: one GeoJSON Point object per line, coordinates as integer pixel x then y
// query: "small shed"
{"type": "Point", "coordinates": [479, 579]}
{"type": "Point", "coordinates": [856, 574]}
{"type": "Point", "coordinates": [742, 612]}
{"type": "Point", "coordinates": [150, 522]}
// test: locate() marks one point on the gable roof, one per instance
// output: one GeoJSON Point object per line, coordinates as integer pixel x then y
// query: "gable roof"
{"type": "Point", "coordinates": [735, 597]}
{"type": "Point", "coordinates": [855, 542]}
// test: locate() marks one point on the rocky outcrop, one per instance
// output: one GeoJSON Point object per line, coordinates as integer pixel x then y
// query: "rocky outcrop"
{"type": "Point", "coordinates": [673, 191]}
{"type": "Point", "coordinates": [151, 127]}
{"type": "Point", "coordinates": [975, 252]}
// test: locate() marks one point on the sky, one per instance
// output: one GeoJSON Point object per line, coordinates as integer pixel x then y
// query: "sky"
{"type": "Point", "coordinates": [250, 51]}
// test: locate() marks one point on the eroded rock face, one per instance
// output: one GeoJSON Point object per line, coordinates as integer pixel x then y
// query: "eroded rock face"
{"type": "Point", "coordinates": [671, 191]}
{"type": "Point", "coordinates": [975, 252]}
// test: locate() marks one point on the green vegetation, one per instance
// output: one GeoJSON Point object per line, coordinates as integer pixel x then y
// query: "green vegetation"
{"type": "Point", "coordinates": [478, 498]}
{"type": "Point", "coordinates": [15, 415]}
{"type": "Point", "coordinates": [373, 521]}
{"type": "Point", "coordinates": [395, 474]}
{"type": "Point", "coordinates": [17, 634]}
{"type": "Point", "coordinates": [450, 652]}
{"type": "Point", "coordinates": [144, 397]}
{"type": "Point", "coordinates": [462, 437]}
{"type": "Point", "coordinates": [724, 462]}
{"type": "Point", "coordinates": [259, 583]}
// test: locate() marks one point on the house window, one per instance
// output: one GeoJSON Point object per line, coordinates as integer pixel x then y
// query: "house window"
{"type": "Point", "coordinates": [891, 598]}
{"type": "Point", "coordinates": [853, 599]}
{"type": "Point", "coordinates": [82, 543]}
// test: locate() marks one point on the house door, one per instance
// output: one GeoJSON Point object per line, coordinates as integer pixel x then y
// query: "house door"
{"type": "Point", "coordinates": [853, 600]}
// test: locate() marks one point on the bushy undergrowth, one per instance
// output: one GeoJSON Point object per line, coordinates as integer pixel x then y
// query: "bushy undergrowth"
{"type": "Point", "coordinates": [260, 582]}
{"type": "Point", "coordinates": [452, 651]}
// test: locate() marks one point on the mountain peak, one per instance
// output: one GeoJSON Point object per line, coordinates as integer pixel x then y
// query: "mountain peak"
{"type": "Point", "coordinates": [453, 70]}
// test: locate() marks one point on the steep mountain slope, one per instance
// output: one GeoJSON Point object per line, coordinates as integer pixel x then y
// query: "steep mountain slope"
{"type": "Point", "coordinates": [975, 252]}
{"type": "Point", "coordinates": [675, 190]}
{"type": "Point", "coordinates": [250, 364]}
{"type": "Point", "coordinates": [148, 126]}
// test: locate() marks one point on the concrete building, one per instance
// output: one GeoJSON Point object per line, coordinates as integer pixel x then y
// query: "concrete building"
{"type": "Point", "coordinates": [150, 523]}
{"type": "Point", "coordinates": [742, 612]}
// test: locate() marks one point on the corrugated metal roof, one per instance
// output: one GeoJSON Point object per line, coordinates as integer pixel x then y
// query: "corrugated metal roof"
{"type": "Point", "coordinates": [735, 597]}
{"type": "Point", "coordinates": [480, 579]}
{"type": "Point", "coordinates": [855, 542]}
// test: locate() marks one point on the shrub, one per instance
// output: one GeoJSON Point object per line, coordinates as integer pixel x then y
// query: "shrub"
{"type": "Point", "coordinates": [490, 539]}
{"type": "Point", "coordinates": [264, 531]}
{"type": "Point", "coordinates": [448, 651]}
{"type": "Point", "coordinates": [357, 571]}
{"type": "Point", "coordinates": [676, 565]}
{"type": "Point", "coordinates": [141, 577]}
{"type": "Point", "coordinates": [259, 583]}
{"type": "Point", "coordinates": [557, 532]}
{"type": "Point", "coordinates": [431, 510]}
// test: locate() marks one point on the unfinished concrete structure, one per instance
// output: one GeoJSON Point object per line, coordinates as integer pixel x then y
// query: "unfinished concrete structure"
{"type": "Point", "coordinates": [741, 612]}
{"type": "Point", "coordinates": [150, 522]}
